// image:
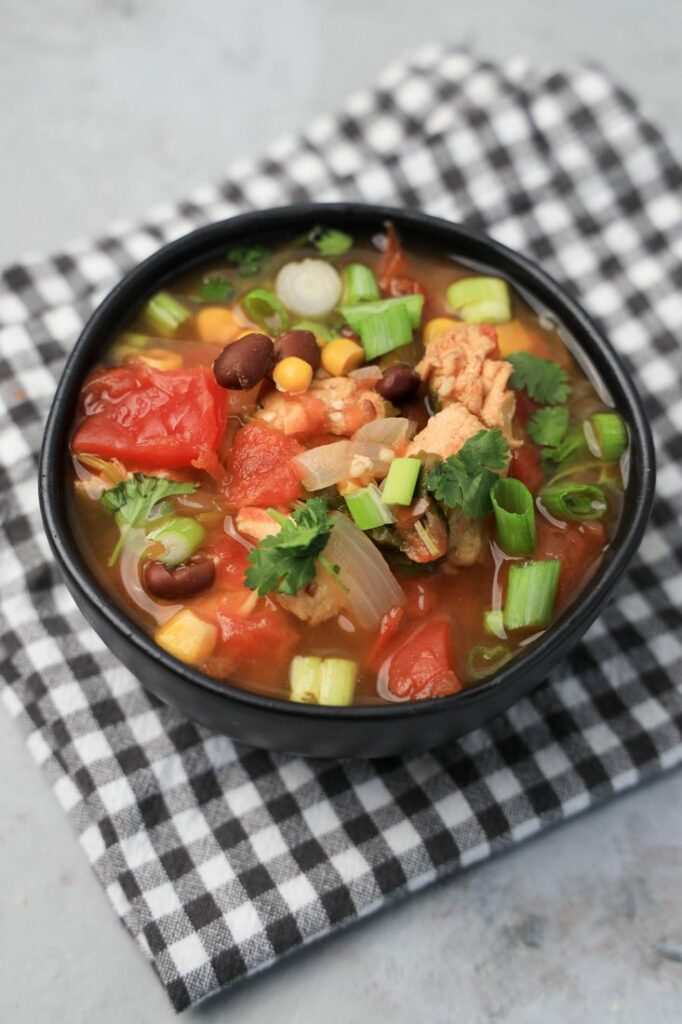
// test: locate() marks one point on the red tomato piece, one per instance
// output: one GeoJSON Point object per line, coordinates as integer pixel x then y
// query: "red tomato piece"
{"type": "Point", "coordinates": [422, 666]}
{"type": "Point", "coordinates": [525, 466]}
{"type": "Point", "coordinates": [525, 407]}
{"type": "Point", "coordinates": [578, 545]}
{"type": "Point", "coordinates": [260, 467]}
{"type": "Point", "coordinates": [262, 639]}
{"type": "Point", "coordinates": [152, 418]}
{"type": "Point", "coordinates": [393, 278]}
{"type": "Point", "coordinates": [394, 287]}
{"type": "Point", "coordinates": [390, 624]}
{"type": "Point", "coordinates": [231, 559]}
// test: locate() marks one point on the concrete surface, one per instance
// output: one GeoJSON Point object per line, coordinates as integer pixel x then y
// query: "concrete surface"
{"type": "Point", "coordinates": [107, 107]}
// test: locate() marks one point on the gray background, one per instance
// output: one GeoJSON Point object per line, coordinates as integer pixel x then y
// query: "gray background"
{"type": "Point", "coordinates": [109, 107]}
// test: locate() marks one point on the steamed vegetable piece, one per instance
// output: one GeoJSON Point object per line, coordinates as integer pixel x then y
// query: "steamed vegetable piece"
{"type": "Point", "coordinates": [464, 480]}
{"type": "Point", "coordinates": [606, 435]}
{"type": "Point", "coordinates": [284, 563]}
{"type": "Point", "coordinates": [574, 501]}
{"type": "Point", "coordinates": [178, 538]}
{"type": "Point", "coordinates": [383, 332]}
{"type": "Point", "coordinates": [367, 508]}
{"type": "Point", "coordinates": [358, 313]}
{"type": "Point", "coordinates": [387, 431]}
{"type": "Point", "coordinates": [265, 309]}
{"type": "Point", "coordinates": [401, 481]}
{"type": "Point", "coordinates": [480, 300]}
{"type": "Point", "coordinates": [325, 465]}
{"type": "Point", "coordinates": [360, 284]}
{"type": "Point", "coordinates": [140, 499]}
{"type": "Point", "coordinates": [514, 516]}
{"type": "Point", "coordinates": [165, 313]}
{"type": "Point", "coordinates": [308, 288]}
{"type": "Point", "coordinates": [531, 593]}
{"type": "Point", "coordinates": [329, 681]}
{"type": "Point", "coordinates": [187, 637]}
{"type": "Point", "coordinates": [372, 588]}
{"type": "Point", "coordinates": [544, 381]}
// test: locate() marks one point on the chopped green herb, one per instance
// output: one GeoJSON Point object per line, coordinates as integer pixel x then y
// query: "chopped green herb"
{"type": "Point", "coordinates": [465, 480]}
{"type": "Point", "coordinates": [544, 381]}
{"type": "Point", "coordinates": [285, 562]}
{"type": "Point", "coordinates": [548, 426]}
{"type": "Point", "coordinates": [139, 499]}
{"type": "Point", "coordinates": [329, 241]}
{"type": "Point", "coordinates": [572, 444]}
{"type": "Point", "coordinates": [216, 289]}
{"type": "Point", "coordinates": [248, 258]}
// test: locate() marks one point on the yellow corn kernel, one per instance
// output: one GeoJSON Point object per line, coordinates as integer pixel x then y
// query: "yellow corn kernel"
{"type": "Point", "coordinates": [292, 375]}
{"type": "Point", "coordinates": [217, 324]}
{"type": "Point", "coordinates": [187, 637]}
{"type": "Point", "coordinates": [436, 328]}
{"type": "Point", "coordinates": [159, 358]}
{"type": "Point", "coordinates": [341, 355]}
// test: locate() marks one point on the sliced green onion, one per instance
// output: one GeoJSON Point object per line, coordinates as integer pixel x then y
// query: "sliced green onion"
{"type": "Point", "coordinates": [304, 680]}
{"type": "Point", "coordinates": [179, 537]}
{"type": "Point", "coordinates": [480, 300]}
{"type": "Point", "coordinates": [330, 242]}
{"type": "Point", "coordinates": [165, 313]}
{"type": "Point", "coordinates": [367, 508]}
{"type": "Point", "coordinates": [606, 435]}
{"type": "Point", "coordinates": [134, 340]}
{"type": "Point", "coordinates": [383, 332]}
{"type": "Point", "coordinates": [531, 593]}
{"type": "Point", "coordinates": [337, 682]}
{"type": "Point", "coordinates": [264, 307]}
{"type": "Point", "coordinates": [401, 481]}
{"type": "Point", "coordinates": [359, 284]}
{"type": "Point", "coordinates": [493, 623]}
{"type": "Point", "coordinates": [321, 331]}
{"type": "Point", "coordinates": [482, 661]}
{"type": "Point", "coordinates": [356, 314]}
{"type": "Point", "coordinates": [574, 501]}
{"type": "Point", "coordinates": [514, 516]}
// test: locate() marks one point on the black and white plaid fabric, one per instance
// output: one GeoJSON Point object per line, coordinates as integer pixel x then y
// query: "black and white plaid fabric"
{"type": "Point", "coordinates": [220, 858]}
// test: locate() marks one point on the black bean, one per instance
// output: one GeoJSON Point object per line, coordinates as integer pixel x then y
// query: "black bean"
{"type": "Point", "coordinates": [398, 382]}
{"type": "Point", "coordinates": [241, 365]}
{"type": "Point", "coordinates": [183, 581]}
{"type": "Point", "coordinates": [302, 344]}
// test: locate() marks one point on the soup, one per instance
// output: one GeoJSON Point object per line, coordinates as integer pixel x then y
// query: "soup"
{"type": "Point", "coordinates": [335, 471]}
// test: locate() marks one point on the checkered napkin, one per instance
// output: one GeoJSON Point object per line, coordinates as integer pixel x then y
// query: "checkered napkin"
{"type": "Point", "coordinates": [220, 858]}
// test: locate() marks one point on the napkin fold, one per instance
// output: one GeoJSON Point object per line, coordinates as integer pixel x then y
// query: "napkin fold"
{"type": "Point", "coordinates": [220, 858]}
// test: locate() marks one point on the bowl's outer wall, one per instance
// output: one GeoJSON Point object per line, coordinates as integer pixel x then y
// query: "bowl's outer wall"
{"type": "Point", "coordinates": [276, 724]}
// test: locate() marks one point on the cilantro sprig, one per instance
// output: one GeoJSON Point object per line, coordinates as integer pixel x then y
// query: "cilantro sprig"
{"type": "Point", "coordinates": [139, 499]}
{"type": "Point", "coordinates": [248, 258]}
{"type": "Point", "coordinates": [464, 481]}
{"type": "Point", "coordinates": [329, 241]}
{"type": "Point", "coordinates": [284, 563]}
{"type": "Point", "coordinates": [544, 381]}
{"type": "Point", "coordinates": [216, 289]}
{"type": "Point", "coordinates": [548, 426]}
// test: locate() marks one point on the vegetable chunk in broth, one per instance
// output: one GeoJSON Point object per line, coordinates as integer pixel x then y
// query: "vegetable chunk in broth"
{"type": "Point", "coordinates": [336, 471]}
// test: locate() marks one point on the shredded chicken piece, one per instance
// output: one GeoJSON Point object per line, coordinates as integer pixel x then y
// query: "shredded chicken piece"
{"type": "Point", "coordinates": [255, 523]}
{"type": "Point", "coordinates": [348, 404]}
{"type": "Point", "coordinates": [446, 432]}
{"type": "Point", "coordinates": [292, 414]}
{"type": "Point", "coordinates": [458, 369]}
{"type": "Point", "coordinates": [321, 600]}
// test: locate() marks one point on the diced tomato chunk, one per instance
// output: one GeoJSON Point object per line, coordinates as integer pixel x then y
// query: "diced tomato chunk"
{"type": "Point", "coordinates": [422, 666]}
{"type": "Point", "coordinates": [525, 406]}
{"type": "Point", "coordinates": [394, 287]}
{"type": "Point", "coordinates": [152, 418]}
{"type": "Point", "coordinates": [578, 545]}
{"type": "Point", "coordinates": [525, 466]}
{"type": "Point", "coordinates": [390, 624]}
{"type": "Point", "coordinates": [260, 467]}
{"type": "Point", "coordinates": [258, 642]}
{"type": "Point", "coordinates": [231, 560]}
{"type": "Point", "coordinates": [393, 278]}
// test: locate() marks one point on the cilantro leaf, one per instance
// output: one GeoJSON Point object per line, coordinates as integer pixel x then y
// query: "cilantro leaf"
{"type": "Point", "coordinates": [572, 444]}
{"type": "Point", "coordinates": [465, 480]}
{"type": "Point", "coordinates": [216, 289]}
{"type": "Point", "coordinates": [544, 381]}
{"type": "Point", "coordinates": [284, 563]}
{"type": "Point", "coordinates": [134, 500]}
{"type": "Point", "coordinates": [249, 259]}
{"type": "Point", "coordinates": [330, 242]}
{"type": "Point", "coordinates": [548, 426]}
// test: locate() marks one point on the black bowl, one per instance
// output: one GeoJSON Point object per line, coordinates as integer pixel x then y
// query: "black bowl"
{"type": "Point", "coordinates": [306, 729]}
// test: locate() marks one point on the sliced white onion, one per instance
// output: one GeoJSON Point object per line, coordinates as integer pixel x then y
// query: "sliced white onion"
{"type": "Point", "coordinates": [379, 455]}
{"type": "Point", "coordinates": [372, 588]}
{"type": "Point", "coordinates": [325, 465]}
{"type": "Point", "coordinates": [387, 431]}
{"type": "Point", "coordinates": [310, 288]}
{"type": "Point", "coordinates": [133, 546]}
